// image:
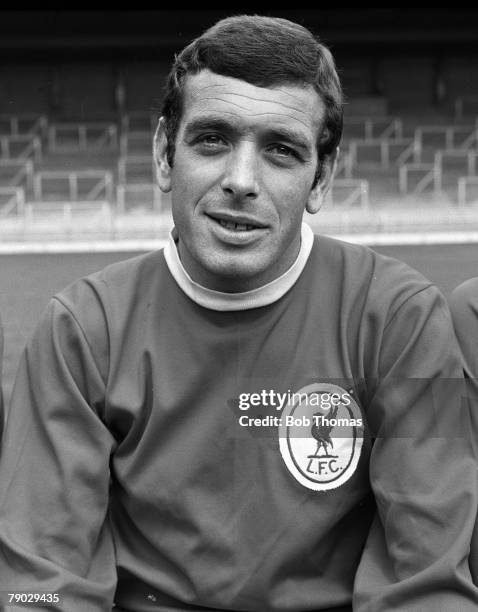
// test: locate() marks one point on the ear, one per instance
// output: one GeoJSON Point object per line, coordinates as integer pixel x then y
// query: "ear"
{"type": "Point", "coordinates": [318, 193]}
{"type": "Point", "coordinates": [160, 147]}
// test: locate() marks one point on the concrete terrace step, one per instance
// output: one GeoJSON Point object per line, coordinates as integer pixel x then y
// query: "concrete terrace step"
{"type": "Point", "coordinates": [393, 219]}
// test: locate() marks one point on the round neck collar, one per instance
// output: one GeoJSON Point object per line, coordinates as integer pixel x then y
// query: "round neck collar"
{"type": "Point", "coordinates": [255, 298]}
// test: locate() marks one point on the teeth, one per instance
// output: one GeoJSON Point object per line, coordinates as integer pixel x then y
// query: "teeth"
{"type": "Point", "coordinates": [239, 227]}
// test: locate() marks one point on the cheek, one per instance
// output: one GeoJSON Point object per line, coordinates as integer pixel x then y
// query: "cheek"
{"type": "Point", "coordinates": [191, 181]}
{"type": "Point", "coordinates": [291, 201]}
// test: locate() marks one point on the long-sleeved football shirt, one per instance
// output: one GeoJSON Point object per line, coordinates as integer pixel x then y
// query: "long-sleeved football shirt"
{"type": "Point", "coordinates": [131, 473]}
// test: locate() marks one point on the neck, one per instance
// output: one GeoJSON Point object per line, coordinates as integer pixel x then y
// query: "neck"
{"type": "Point", "coordinates": [227, 300]}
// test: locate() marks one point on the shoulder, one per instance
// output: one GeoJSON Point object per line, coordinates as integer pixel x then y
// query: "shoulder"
{"type": "Point", "coordinates": [363, 261]}
{"type": "Point", "coordinates": [100, 303]}
{"type": "Point", "coordinates": [129, 272]}
{"type": "Point", "coordinates": [122, 281]}
{"type": "Point", "coordinates": [92, 311]}
{"type": "Point", "coordinates": [368, 276]}
{"type": "Point", "coordinates": [385, 309]}
{"type": "Point", "coordinates": [464, 298]}
{"type": "Point", "coordinates": [464, 309]}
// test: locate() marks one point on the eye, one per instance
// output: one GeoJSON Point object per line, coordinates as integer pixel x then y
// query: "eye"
{"type": "Point", "coordinates": [211, 140]}
{"type": "Point", "coordinates": [282, 150]}
{"type": "Point", "coordinates": [283, 155]}
{"type": "Point", "coordinates": [210, 143]}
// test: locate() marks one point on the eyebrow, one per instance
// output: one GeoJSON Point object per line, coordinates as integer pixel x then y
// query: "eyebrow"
{"type": "Point", "coordinates": [276, 132]}
{"type": "Point", "coordinates": [203, 124]}
{"type": "Point", "coordinates": [296, 138]}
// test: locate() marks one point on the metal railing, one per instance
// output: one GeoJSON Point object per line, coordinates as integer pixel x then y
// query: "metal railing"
{"type": "Point", "coordinates": [31, 147]}
{"type": "Point", "coordinates": [103, 186]}
{"type": "Point", "coordinates": [142, 164]}
{"type": "Point", "coordinates": [375, 127]}
{"type": "Point", "coordinates": [428, 176]}
{"type": "Point", "coordinates": [51, 217]}
{"type": "Point", "coordinates": [471, 139]}
{"type": "Point", "coordinates": [12, 200]}
{"type": "Point", "coordinates": [462, 190]}
{"type": "Point", "coordinates": [449, 134]}
{"type": "Point", "coordinates": [136, 143]}
{"type": "Point", "coordinates": [344, 165]}
{"type": "Point", "coordinates": [71, 137]}
{"type": "Point", "coordinates": [357, 192]}
{"type": "Point", "coordinates": [21, 172]}
{"type": "Point", "coordinates": [35, 124]}
{"type": "Point", "coordinates": [125, 194]}
{"type": "Point", "coordinates": [468, 155]}
{"type": "Point", "coordinates": [131, 120]}
{"type": "Point", "coordinates": [410, 148]}
{"type": "Point", "coordinates": [432, 173]}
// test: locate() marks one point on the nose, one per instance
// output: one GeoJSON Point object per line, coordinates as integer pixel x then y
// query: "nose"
{"type": "Point", "coordinates": [240, 174]}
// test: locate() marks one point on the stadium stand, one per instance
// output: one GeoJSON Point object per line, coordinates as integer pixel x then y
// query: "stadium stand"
{"type": "Point", "coordinates": [384, 161]}
{"type": "Point", "coordinates": [77, 133]}
{"type": "Point", "coordinates": [77, 137]}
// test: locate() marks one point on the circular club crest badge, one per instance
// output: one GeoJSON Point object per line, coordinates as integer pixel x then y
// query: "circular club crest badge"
{"type": "Point", "coordinates": [321, 436]}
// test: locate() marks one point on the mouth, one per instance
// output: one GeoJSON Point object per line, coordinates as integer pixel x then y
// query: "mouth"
{"type": "Point", "coordinates": [236, 224]}
{"type": "Point", "coordinates": [237, 227]}
{"type": "Point", "coordinates": [236, 230]}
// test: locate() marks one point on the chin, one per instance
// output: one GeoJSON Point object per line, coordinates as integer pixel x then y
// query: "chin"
{"type": "Point", "coordinates": [233, 275]}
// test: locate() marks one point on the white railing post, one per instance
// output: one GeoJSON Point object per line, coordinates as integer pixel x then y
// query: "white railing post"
{"type": "Point", "coordinates": [28, 168]}
{"type": "Point", "coordinates": [37, 187]}
{"type": "Point", "coordinates": [402, 179]}
{"type": "Point", "coordinates": [471, 162]}
{"type": "Point", "coordinates": [21, 200]}
{"type": "Point", "coordinates": [437, 172]}
{"type": "Point", "coordinates": [121, 170]}
{"type": "Point", "coordinates": [364, 199]}
{"type": "Point", "coordinates": [120, 198]}
{"type": "Point", "coordinates": [109, 186]}
{"type": "Point", "coordinates": [73, 185]}
{"type": "Point", "coordinates": [384, 153]}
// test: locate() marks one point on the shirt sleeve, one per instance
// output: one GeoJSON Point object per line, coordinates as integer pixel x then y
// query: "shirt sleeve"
{"type": "Point", "coordinates": [2, 410]}
{"type": "Point", "coordinates": [464, 310]}
{"type": "Point", "coordinates": [55, 536]}
{"type": "Point", "coordinates": [422, 469]}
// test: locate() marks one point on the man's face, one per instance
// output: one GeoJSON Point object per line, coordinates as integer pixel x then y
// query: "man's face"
{"type": "Point", "coordinates": [243, 172]}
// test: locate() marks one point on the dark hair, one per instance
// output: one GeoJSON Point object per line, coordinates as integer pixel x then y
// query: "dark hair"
{"type": "Point", "coordinates": [263, 51]}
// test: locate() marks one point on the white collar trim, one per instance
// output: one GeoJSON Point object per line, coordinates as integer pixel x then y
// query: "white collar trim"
{"type": "Point", "coordinates": [262, 296]}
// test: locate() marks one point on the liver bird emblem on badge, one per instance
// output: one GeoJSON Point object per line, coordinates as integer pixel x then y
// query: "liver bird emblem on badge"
{"type": "Point", "coordinates": [321, 430]}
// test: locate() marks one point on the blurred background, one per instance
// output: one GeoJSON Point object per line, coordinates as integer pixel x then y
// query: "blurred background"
{"type": "Point", "coordinates": [79, 99]}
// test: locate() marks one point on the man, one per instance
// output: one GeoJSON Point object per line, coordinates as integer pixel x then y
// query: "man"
{"type": "Point", "coordinates": [464, 310]}
{"type": "Point", "coordinates": [209, 427]}
{"type": "Point", "coordinates": [2, 415]}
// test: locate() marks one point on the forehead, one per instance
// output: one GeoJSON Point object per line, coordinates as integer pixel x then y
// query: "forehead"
{"type": "Point", "coordinates": [296, 107]}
